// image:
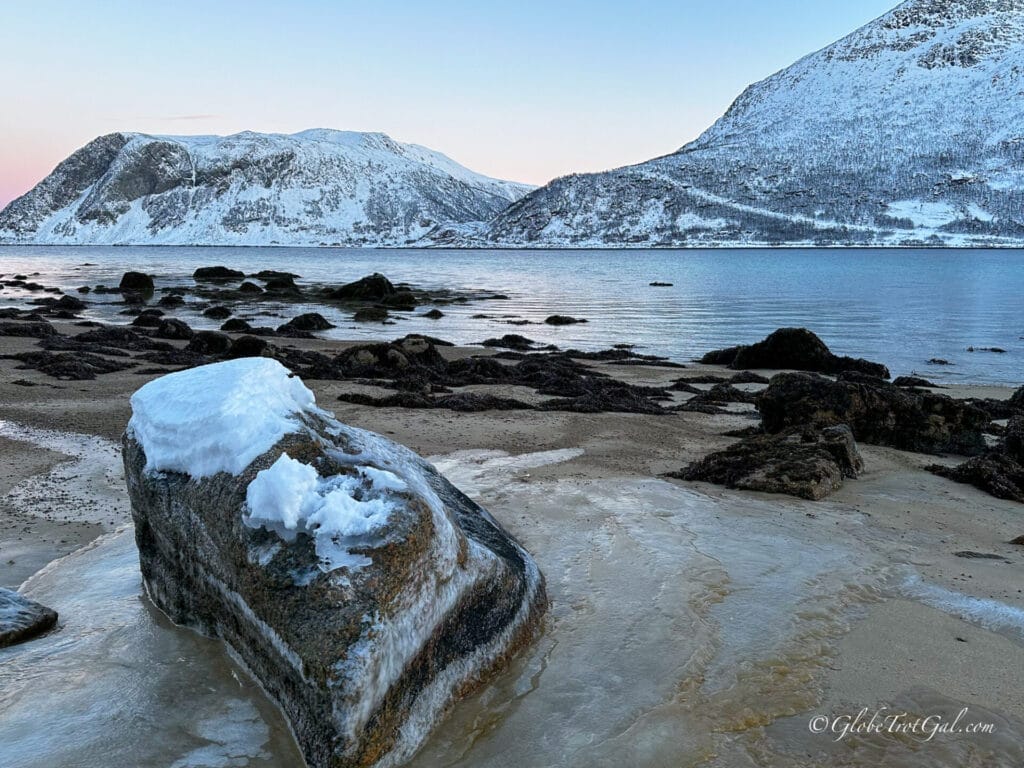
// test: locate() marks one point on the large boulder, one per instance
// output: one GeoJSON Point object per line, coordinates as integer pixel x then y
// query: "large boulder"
{"type": "Point", "coordinates": [805, 462]}
{"type": "Point", "coordinates": [361, 588]}
{"type": "Point", "coordinates": [22, 619]}
{"type": "Point", "coordinates": [136, 282]}
{"type": "Point", "coordinates": [217, 274]}
{"type": "Point", "coordinates": [310, 321]}
{"type": "Point", "coordinates": [795, 349]}
{"type": "Point", "coordinates": [373, 287]}
{"type": "Point", "coordinates": [876, 411]}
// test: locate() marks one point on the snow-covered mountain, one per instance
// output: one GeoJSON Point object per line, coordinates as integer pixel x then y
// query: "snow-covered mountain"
{"type": "Point", "coordinates": [909, 130]}
{"type": "Point", "coordinates": [317, 187]}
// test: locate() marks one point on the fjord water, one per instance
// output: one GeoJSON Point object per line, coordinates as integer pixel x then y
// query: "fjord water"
{"type": "Point", "coordinates": [901, 307]}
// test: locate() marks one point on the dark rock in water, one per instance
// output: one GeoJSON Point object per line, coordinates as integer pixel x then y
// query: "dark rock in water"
{"type": "Point", "coordinates": [273, 274]}
{"type": "Point", "coordinates": [363, 590]}
{"type": "Point", "coordinates": [878, 413]}
{"type": "Point", "coordinates": [913, 382]}
{"type": "Point", "coordinates": [172, 328]}
{"type": "Point", "coordinates": [311, 321]}
{"type": "Point", "coordinates": [217, 275]}
{"type": "Point", "coordinates": [511, 341]}
{"type": "Point", "coordinates": [84, 289]}
{"type": "Point", "coordinates": [400, 300]}
{"type": "Point", "coordinates": [77, 366]}
{"type": "Point", "coordinates": [804, 462]}
{"type": "Point", "coordinates": [656, 284]}
{"type": "Point", "coordinates": [997, 350]}
{"type": "Point", "coordinates": [434, 314]}
{"type": "Point", "coordinates": [248, 287]}
{"type": "Point", "coordinates": [22, 619]}
{"type": "Point", "coordinates": [995, 473]}
{"type": "Point", "coordinates": [563, 320]}
{"type": "Point", "coordinates": [171, 300]}
{"type": "Point", "coordinates": [217, 313]}
{"type": "Point", "coordinates": [209, 343]}
{"type": "Point", "coordinates": [371, 315]}
{"type": "Point", "coordinates": [373, 287]}
{"type": "Point", "coordinates": [36, 330]}
{"type": "Point", "coordinates": [282, 286]}
{"type": "Point", "coordinates": [248, 346]}
{"type": "Point", "coordinates": [136, 282]}
{"type": "Point", "coordinates": [1019, 541]}
{"type": "Point", "coordinates": [939, 361]}
{"type": "Point", "coordinates": [236, 325]}
{"type": "Point", "coordinates": [65, 303]}
{"type": "Point", "coordinates": [793, 349]}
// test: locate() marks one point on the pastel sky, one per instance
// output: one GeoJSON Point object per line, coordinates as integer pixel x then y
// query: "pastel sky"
{"type": "Point", "coordinates": [524, 90]}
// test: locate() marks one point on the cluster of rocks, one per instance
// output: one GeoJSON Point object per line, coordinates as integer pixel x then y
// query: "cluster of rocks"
{"type": "Point", "coordinates": [806, 443]}
{"type": "Point", "coordinates": [999, 470]}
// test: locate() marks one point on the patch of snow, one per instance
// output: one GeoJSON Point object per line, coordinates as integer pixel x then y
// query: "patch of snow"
{"type": "Point", "coordinates": [217, 418]}
{"type": "Point", "coordinates": [923, 213]}
{"type": "Point", "coordinates": [290, 497]}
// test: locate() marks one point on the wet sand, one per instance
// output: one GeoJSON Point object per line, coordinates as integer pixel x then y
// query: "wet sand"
{"type": "Point", "coordinates": [690, 625]}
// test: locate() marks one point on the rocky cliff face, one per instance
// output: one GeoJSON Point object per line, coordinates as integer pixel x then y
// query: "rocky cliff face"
{"type": "Point", "coordinates": [311, 188]}
{"type": "Point", "coordinates": [361, 588]}
{"type": "Point", "coordinates": [907, 131]}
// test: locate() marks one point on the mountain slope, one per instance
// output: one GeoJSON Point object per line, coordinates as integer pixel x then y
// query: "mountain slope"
{"type": "Point", "coordinates": [317, 187]}
{"type": "Point", "coordinates": [909, 130]}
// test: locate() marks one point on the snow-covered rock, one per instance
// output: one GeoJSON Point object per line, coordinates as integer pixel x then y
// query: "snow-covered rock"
{"type": "Point", "coordinates": [909, 130]}
{"type": "Point", "coordinates": [361, 588]}
{"type": "Point", "coordinates": [318, 187]}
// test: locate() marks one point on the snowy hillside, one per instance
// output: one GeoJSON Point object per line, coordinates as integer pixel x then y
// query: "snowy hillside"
{"type": "Point", "coordinates": [317, 187]}
{"type": "Point", "coordinates": [909, 130]}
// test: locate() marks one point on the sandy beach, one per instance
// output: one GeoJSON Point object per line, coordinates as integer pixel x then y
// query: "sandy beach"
{"type": "Point", "coordinates": [724, 620]}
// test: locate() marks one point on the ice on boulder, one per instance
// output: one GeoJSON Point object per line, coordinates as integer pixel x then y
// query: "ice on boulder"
{"type": "Point", "coordinates": [217, 418]}
{"type": "Point", "coordinates": [290, 497]}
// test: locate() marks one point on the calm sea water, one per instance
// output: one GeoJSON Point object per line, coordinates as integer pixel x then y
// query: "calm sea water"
{"type": "Point", "coordinates": [900, 307]}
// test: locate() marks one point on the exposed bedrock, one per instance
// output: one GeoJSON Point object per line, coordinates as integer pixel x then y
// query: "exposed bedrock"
{"type": "Point", "coordinates": [877, 412]}
{"type": "Point", "coordinates": [805, 462]}
{"type": "Point", "coordinates": [794, 349]}
{"type": "Point", "coordinates": [362, 589]}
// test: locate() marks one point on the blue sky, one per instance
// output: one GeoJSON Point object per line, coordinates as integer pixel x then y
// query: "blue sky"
{"type": "Point", "coordinates": [525, 91]}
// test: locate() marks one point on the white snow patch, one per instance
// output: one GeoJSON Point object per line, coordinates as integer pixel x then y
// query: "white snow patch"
{"type": "Point", "coordinates": [291, 497]}
{"type": "Point", "coordinates": [217, 418]}
{"type": "Point", "coordinates": [923, 213]}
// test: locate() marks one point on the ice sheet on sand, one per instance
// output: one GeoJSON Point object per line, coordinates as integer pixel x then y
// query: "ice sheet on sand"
{"type": "Point", "coordinates": [291, 497]}
{"type": "Point", "coordinates": [217, 418]}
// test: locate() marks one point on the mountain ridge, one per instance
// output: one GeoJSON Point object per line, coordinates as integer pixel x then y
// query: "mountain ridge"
{"type": "Point", "coordinates": [315, 187]}
{"type": "Point", "coordinates": [903, 132]}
